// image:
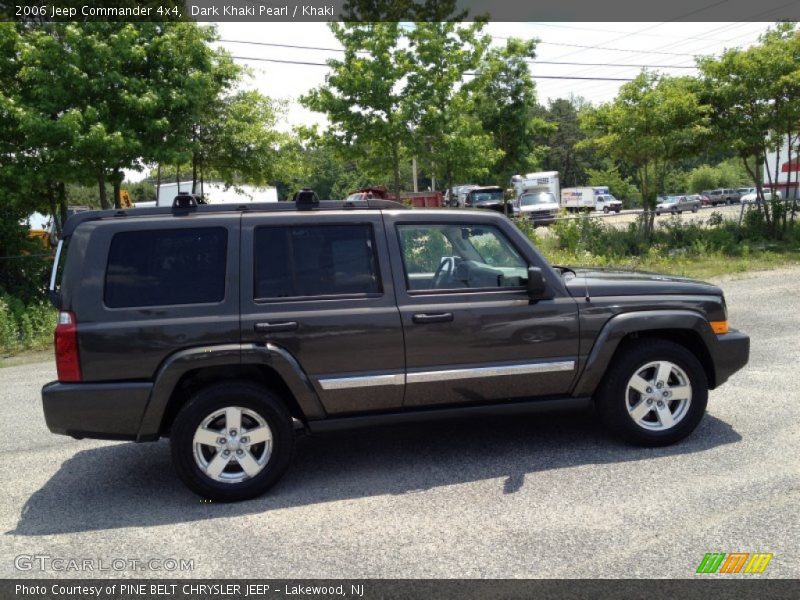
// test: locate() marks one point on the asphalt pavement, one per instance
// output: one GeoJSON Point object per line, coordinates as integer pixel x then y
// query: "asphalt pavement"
{"type": "Point", "coordinates": [544, 496]}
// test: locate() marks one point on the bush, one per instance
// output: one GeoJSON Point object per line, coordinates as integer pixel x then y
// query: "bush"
{"type": "Point", "coordinates": [25, 327]}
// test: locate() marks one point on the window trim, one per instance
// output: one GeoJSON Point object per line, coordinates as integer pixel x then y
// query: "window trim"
{"type": "Point", "coordinates": [173, 305]}
{"type": "Point", "coordinates": [453, 291]}
{"type": "Point", "coordinates": [348, 296]}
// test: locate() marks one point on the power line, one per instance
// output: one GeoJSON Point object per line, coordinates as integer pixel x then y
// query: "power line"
{"type": "Point", "coordinates": [316, 64]}
{"type": "Point", "coordinates": [530, 62]}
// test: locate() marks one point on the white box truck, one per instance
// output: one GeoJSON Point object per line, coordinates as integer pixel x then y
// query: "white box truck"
{"type": "Point", "coordinates": [546, 181]}
{"type": "Point", "coordinates": [589, 198]}
{"type": "Point", "coordinates": [216, 193]}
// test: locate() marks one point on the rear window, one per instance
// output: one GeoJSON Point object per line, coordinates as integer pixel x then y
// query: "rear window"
{"type": "Point", "coordinates": [166, 267]}
{"type": "Point", "coordinates": [319, 260]}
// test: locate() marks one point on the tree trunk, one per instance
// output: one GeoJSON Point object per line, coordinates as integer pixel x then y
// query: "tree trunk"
{"type": "Point", "coordinates": [62, 201]}
{"type": "Point", "coordinates": [158, 183]}
{"type": "Point", "coordinates": [396, 170]}
{"type": "Point", "coordinates": [194, 172]}
{"type": "Point", "coordinates": [117, 182]}
{"type": "Point", "coordinates": [101, 182]}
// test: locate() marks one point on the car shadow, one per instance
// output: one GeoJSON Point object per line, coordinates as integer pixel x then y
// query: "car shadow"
{"type": "Point", "coordinates": [134, 485]}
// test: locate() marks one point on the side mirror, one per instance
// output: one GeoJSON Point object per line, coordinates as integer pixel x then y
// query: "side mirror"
{"type": "Point", "coordinates": [537, 289]}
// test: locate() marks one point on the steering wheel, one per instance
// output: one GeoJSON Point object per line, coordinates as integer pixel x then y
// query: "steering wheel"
{"type": "Point", "coordinates": [448, 263]}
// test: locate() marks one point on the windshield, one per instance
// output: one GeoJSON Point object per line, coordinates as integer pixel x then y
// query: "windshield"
{"type": "Point", "coordinates": [540, 198]}
{"type": "Point", "coordinates": [487, 196]}
{"type": "Point", "coordinates": [357, 197]}
{"type": "Point", "coordinates": [670, 200]}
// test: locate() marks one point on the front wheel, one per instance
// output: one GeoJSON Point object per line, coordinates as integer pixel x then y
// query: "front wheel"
{"type": "Point", "coordinates": [232, 441]}
{"type": "Point", "coordinates": [654, 394]}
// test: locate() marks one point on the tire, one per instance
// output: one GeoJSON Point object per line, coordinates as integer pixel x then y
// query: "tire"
{"type": "Point", "coordinates": [728, 202]}
{"type": "Point", "coordinates": [258, 408]}
{"type": "Point", "coordinates": [627, 411]}
{"type": "Point", "coordinates": [658, 214]}
{"type": "Point", "coordinates": [605, 209]}
{"type": "Point", "coordinates": [695, 208]}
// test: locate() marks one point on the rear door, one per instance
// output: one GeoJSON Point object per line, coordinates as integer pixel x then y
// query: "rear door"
{"type": "Point", "coordinates": [319, 285]}
{"type": "Point", "coordinates": [471, 333]}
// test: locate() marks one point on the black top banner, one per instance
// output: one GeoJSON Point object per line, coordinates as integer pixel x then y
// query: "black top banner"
{"type": "Point", "coordinates": [400, 10]}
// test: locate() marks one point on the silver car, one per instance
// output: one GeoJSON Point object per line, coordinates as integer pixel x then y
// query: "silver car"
{"type": "Point", "coordinates": [677, 204]}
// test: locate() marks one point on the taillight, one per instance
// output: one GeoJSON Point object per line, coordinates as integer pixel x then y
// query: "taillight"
{"type": "Point", "coordinates": [68, 362]}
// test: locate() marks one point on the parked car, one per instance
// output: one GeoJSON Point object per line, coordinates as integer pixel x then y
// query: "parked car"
{"type": "Point", "coordinates": [491, 197]}
{"type": "Point", "coordinates": [249, 324]}
{"type": "Point", "coordinates": [540, 207]}
{"type": "Point", "coordinates": [768, 195]}
{"type": "Point", "coordinates": [677, 204]}
{"type": "Point", "coordinates": [723, 196]}
{"type": "Point", "coordinates": [745, 190]}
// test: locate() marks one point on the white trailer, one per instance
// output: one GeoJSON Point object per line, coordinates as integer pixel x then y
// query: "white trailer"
{"type": "Point", "coordinates": [589, 198]}
{"type": "Point", "coordinates": [215, 192]}
{"type": "Point", "coordinates": [546, 181]}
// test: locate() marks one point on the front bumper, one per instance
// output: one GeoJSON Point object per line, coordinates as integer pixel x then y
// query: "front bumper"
{"type": "Point", "coordinates": [109, 411]}
{"type": "Point", "coordinates": [729, 354]}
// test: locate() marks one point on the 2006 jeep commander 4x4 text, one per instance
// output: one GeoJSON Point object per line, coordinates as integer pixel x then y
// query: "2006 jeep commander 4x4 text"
{"type": "Point", "coordinates": [227, 328]}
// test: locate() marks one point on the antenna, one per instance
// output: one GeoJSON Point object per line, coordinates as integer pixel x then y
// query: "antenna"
{"type": "Point", "coordinates": [586, 286]}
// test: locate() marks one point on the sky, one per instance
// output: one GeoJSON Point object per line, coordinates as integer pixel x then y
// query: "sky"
{"type": "Point", "coordinates": [664, 47]}
{"type": "Point", "coordinates": [667, 47]}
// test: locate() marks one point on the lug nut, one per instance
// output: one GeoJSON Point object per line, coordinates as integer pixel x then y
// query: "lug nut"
{"type": "Point", "coordinates": [659, 385]}
{"type": "Point", "coordinates": [660, 404]}
{"type": "Point", "coordinates": [649, 400]}
{"type": "Point", "coordinates": [222, 441]}
{"type": "Point", "coordinates": [665, 394]}
{"type": "Point", "coordinates": [649, 390]}
{"type": "Point", "coordinates": [226, 453]}
{"type": "Point", "coordinates": [239, 452]}
{"type": "Point", "coordinates": [243, 440]}
{"type": "Point", "coordinates": [233, 433]}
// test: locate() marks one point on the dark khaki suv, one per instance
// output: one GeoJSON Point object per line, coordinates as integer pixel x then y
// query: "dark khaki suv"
{"type": "Point", "coordinates": [229, 329]}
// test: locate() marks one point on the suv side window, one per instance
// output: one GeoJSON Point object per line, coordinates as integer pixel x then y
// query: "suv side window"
{"type": "Point", "coordinates": [162, 267]}
{"type": "Point", "coordinates": [454, 256]}
{"type": "Point", "coordinates": [299, 261]}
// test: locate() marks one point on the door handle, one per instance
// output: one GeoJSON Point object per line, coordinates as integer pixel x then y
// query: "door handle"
{"type": "Point", "coordinates": [275, 327]}
{"type": "Point", "coordinates": [432, 318]}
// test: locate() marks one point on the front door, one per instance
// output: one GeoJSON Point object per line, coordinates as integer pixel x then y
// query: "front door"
{"type": "Point", "coordinates": [472, 334]}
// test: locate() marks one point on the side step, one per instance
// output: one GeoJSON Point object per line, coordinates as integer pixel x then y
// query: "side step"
{"type": "Point", "coordinates": [439, 414]}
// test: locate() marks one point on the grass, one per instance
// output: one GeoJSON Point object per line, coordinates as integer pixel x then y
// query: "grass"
{"type": "Point", "coordinates": [700, 250]}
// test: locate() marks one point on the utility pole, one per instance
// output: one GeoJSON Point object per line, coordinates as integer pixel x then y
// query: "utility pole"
{"type": "Point", "coordinates": [414, 172]}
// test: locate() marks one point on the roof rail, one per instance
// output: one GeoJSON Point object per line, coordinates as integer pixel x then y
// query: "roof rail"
{"type": "Point", "coordinates": [178, 211]}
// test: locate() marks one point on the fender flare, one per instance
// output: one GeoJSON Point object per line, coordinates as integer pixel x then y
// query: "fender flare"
{"type": "Point", "coordinates": [620, 326]}
{"type": "Point", "coordinates": [178, 364]}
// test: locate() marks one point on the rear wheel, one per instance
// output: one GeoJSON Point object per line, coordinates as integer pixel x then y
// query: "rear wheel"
{"type": "Point", "coordinates": [695, 208]}
{"type": "Point", "coordinates": [232, 441]}
{"type": "Point", "coordinates": [605, 209]}
{"type": "Point", "coordinates": [654, 394]}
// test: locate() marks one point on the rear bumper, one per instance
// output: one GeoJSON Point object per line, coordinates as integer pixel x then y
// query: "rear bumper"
{"type": "Point", "coordinates": [110, 411]}
{"type": "Point", "coordinates": [729, 354]}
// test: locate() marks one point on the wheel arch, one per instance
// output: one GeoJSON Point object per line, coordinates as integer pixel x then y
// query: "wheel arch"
{"type": "Point", "coordinates": [190, 370]}
{"type": "Point", "coordinates": [687, 328]}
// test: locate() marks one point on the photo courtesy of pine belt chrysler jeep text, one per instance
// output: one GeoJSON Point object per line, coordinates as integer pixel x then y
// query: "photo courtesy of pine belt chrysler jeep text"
{"type": "Point", "coordinates": [229, 329]}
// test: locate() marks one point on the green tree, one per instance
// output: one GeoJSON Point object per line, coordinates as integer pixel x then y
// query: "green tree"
{"type": "Point", "coordinates": [239, 144]}
{"type": "Point", "coordinates": [653, 122]}
{"type": "Point", "coordinates": [505, 104]}
{"type": "Point", "coordinates": [620, 187]}
{"type": "Point", "coordinates": [563, 151]}
{"type": "Point", "coordinates": [448, 138]}
{"type": "Point", "coordinates": [363, 96]}
{"type": "Point", "coordinates": [755, 94]}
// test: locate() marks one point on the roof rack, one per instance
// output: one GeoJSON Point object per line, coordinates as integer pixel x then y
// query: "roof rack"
{"type": "Point", "coordinates": [181, 209]}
